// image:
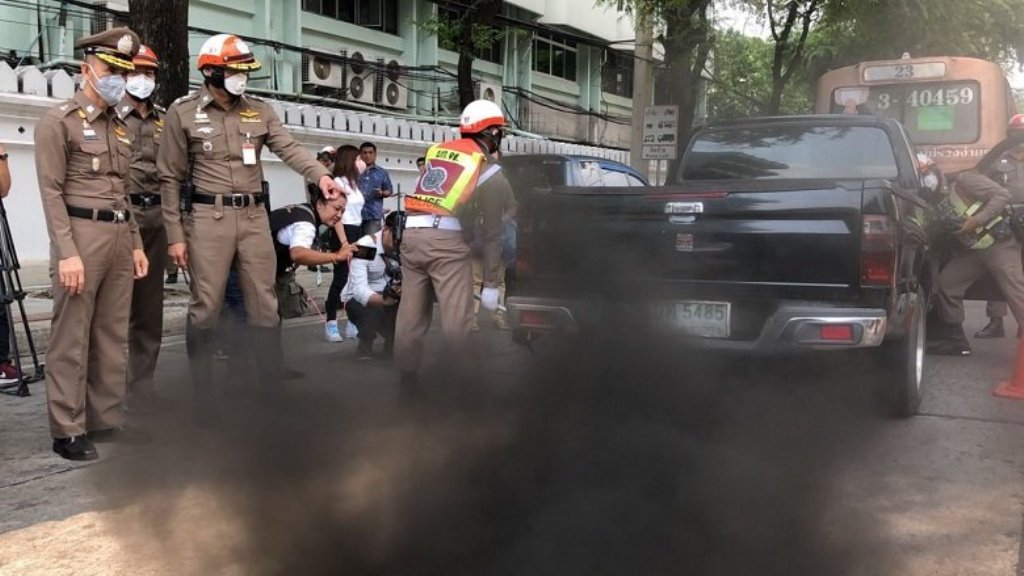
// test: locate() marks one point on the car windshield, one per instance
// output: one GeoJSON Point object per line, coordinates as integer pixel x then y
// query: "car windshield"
{"type": "Point", "coordinates": [791, 152]}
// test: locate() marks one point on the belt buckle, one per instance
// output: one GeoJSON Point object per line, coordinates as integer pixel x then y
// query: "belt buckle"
{"type": "Point", "coordinates": [120, 215]}
{"type": "Point", "coordinates": [149, 200]}
{"type": "Point", "coordinates": [437, 221]}
{"type": "Point", "coordinates": [238, 200]}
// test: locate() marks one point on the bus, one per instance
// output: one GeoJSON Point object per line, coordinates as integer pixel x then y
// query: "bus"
{"type": "Point", "coordinates": [954, 109]}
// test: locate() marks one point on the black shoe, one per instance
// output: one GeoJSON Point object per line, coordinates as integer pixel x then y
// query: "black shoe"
{"type": "Point", "coordinates": [120, 435]}
{"type": "Point", "coordinates": [994, 329]}
{"type": "Point", "coordinates": [75, 448]}
{"type": "Point", "coordinates": [291, 374]}
{"type": "Point", "coordinates": [365, 350]}
{"type": "Point", "coordinates": [947, 348]}
{"type": "Point", "coordinates": [172, 278]}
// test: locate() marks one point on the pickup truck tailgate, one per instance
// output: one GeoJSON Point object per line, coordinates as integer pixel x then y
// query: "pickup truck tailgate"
{"type": "Point", "coordinates": [776, 233]}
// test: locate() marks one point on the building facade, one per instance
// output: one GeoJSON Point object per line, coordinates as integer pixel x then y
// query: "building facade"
{"type": "Point", "coordinates": [562, 69]}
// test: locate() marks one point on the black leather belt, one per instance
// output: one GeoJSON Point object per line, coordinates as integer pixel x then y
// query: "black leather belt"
{"type": "Point", "coordinates": [145, 200]}
{"type": "Point", "coordinates": [98, 214]}
{"type": "Point", "coordinates": [232, 200]}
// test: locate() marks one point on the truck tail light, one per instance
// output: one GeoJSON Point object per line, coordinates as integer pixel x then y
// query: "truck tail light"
{"type": "Point", "coordinates": [877, 250]}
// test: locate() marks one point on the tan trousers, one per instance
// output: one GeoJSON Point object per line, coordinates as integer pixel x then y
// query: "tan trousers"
{"type": "Point", "coordinates": [1001, 260]}
{"type": "Point", "coordinates": [478, 283]}
{"type": "Point", "coordinates": [86, 362]}
{"type": "Point", "coordinates": [433, 262]}
{"type": "Point", "coordinates": [218, 236]}
{"type": "Point", "coordinates": [147, 317]}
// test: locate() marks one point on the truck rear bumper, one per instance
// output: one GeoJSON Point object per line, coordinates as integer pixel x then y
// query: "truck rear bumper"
{"type": "Point", "coordinates": [793, 326]}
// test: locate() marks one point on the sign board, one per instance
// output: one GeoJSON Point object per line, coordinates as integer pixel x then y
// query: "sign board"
{"type": "Point", "coordinates": [661, 125]}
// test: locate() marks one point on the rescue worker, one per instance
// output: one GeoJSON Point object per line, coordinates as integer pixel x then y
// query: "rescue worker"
{"type": "Point", "coordinates": [82, 160]}
{"type": "Point", "coordinates": [145, 123]}
{"type": "Point", "coordinates": [462, 183]}
{"type": "Point", "coordinates": [986, 243]}
{"type": "Point", "coordinates": [212, 142]}
{"type": "Point", "coordinates": [1008, 172]}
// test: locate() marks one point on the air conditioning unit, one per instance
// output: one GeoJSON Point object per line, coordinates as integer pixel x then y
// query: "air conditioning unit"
{"type": "Point", "coordinates": [391, 85]}
{"type": "Point", "coordinates": [359, 77]}
{"type": "Point", "coordinates": [488, 91]}
{"type": "Point", "coordinates": [322, 72]}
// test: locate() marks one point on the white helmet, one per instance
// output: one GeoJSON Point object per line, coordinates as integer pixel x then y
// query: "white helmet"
{"type": "Point", "coordinates": [480, 114]}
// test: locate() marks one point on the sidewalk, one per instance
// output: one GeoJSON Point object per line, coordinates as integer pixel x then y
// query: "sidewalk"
{"type": "Point", "coordinates": [38, 303]}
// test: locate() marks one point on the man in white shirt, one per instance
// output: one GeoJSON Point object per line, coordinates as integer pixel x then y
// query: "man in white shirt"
{"type": "Point", "coordinates": [373, 290]}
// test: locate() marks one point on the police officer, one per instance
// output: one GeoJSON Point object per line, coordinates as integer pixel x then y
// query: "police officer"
{"type": "Point", "coordinates": [462, 183]}
{"type": "Point", "coordinates": [145, 123]}
{"type": "Point", "coordinates": [1008, 172]}
{"type": "Point", "coordinates": [82, 159]}
{"type": "Point", "coordinates": [986, 244]}
{"type": "Point", "coordinates": [215, 135]}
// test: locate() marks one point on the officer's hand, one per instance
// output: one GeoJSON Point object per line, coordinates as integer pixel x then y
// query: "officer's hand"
{"type": "Point", "coordinates": [345, 254]}
{"type": "Point", "coordinates": [970, 225]}
{"type": "Point", "coordinates": [71, 272]}
{"type": "Point", "coordinates": [489, 298]}
{"type": "Point", "coordinates": [178, 252]}
{"type": "Point", "coordinates": [330, 188]}
{"type": "Point", "coordinates": [141, 263]}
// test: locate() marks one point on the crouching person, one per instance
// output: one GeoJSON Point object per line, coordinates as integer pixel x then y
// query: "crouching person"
{"type": "Point", "coordinates": [374, 288]}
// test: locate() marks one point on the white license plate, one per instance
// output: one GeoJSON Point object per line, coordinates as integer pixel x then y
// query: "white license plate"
{"type": "Point", "coordinates": [694, 317]}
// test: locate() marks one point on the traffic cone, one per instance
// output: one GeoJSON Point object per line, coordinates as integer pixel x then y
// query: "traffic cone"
{"type": "Point", "coordinates": [1015, 387]}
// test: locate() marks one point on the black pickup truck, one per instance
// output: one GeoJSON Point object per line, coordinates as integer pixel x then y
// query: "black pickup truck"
{"type": "Point", "coordinates": [777, 235]}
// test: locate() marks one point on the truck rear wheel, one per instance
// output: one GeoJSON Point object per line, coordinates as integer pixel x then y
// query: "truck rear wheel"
{"type": "Point", "coordinates": [901, 364]}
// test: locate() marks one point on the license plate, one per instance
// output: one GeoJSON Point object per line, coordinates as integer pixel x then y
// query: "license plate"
{"type": "Point", "coordinates": [695, 317]}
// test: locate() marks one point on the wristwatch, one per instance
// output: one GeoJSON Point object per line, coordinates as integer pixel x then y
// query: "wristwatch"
{"type": "Point", "coordinates": [3, 156]}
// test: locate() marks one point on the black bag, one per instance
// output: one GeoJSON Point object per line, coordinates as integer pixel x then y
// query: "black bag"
{"type": "Point", "coordinates": [292, 301]}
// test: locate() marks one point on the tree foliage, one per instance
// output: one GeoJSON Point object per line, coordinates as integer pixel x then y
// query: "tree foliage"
{"type": "Point", "coordinates": [470, 30]}
{"type": "Point", "coordinates": [741, 80]}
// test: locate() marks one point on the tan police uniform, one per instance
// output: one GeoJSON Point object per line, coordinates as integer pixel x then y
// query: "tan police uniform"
{"type": "Point", "coordinates": [1002, 259]}
{"type": "Point", "coordinates": [437, 261]}
{"type": "Point", "coordinates": [82, 158]}
{"type": "Point", "coordinates": [147, 313]}
{"type": "Point", "coordinates": [229, 221]}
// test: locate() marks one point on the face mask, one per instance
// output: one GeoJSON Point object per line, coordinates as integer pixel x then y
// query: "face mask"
{"type": "Point", "coordinates": [140, 86]}
{"type": "Point", "coordinates": [360, 165]}
{"type": "Point", "coordinates": [236, 84]}
{"type": "Point", "coordinates": [110, 87]}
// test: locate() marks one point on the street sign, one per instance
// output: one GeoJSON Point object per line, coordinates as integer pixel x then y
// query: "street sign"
{"type": "Point", "coordinates": [660, 129]}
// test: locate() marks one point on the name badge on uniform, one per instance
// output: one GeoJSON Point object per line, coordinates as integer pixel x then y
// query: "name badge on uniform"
{"type": "Point", "coordinates": [248, 154]}
{"type": "Point", "coordinates": [201, 118]}
{"type": "Point", "coordinates": [89, 134]}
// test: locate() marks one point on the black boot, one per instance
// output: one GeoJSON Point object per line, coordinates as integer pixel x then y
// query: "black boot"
{"type": "Point", "coordinates": [952, 342]}
{"type": "Point", "coordinates": [200, 344]}
{"type": "Point", "coordinates": [994, 329]}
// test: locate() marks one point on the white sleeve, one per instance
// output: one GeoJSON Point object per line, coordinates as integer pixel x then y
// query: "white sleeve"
{"type": "Point", "coordinates": [297, 235]}
{"type": "Point", "coordinates": [359, 281]}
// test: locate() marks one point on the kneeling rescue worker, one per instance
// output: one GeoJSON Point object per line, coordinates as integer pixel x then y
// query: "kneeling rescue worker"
{"type": "Point", "coordinates": [215, 205]}
{"type": "Point", "coordinates": [461, 184]}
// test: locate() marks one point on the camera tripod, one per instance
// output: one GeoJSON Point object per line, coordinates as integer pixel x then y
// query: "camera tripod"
{"type": "Point", "coordinates": [11, 292]}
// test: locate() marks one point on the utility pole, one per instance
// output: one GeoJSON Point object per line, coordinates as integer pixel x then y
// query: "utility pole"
{"type": "Point", "coordinates": [643, 87]}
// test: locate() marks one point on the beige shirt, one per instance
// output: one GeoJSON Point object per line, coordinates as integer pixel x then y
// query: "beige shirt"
{"type": "Point", "coordinates": [82, 158]}
{"type": "Point", "coordinates": [215, 138]}
{"type": "Point", "coordinates": [978, 187]}
{"type": "Point", "coordinates": [145, 131]}
{"type": "Point", "coordinates": [491, 201]}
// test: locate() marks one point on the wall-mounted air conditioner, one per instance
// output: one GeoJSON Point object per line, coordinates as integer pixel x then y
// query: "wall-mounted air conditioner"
{"type": "Point", "coordinates": [488, 91]}
{"type": "Point", "coordinates": [359, 76]}
{"type": "Point", "coordinates": [393, 90]}
{"type": "Point", "coordinates": [321, 72]}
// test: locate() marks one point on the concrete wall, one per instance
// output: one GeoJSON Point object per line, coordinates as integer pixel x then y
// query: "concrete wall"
{"type": "Point", "coordinates": [399, 143]}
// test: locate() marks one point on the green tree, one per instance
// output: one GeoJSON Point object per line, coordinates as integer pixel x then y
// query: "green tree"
{"type": "Point", "coordinates": [741, 80]}
{"type": "Point", "coordinates": [466, 30]}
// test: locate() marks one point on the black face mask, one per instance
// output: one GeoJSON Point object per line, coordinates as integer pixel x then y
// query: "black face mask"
{"type": "Point", "coordinates": [216, 78]}
{"type": "Point", "coordinates": [492, 141]}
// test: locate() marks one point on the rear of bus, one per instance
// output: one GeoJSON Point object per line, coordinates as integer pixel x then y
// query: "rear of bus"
{"type": "Point", "coordinates": [954, 109]}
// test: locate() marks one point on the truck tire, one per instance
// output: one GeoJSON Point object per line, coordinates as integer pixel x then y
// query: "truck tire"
{"type": "Point", "coordinates": [901, 367]}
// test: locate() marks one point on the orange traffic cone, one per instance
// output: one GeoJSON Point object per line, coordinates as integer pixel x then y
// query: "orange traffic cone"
{"type": "Point", "coordinates": [1015, 387]}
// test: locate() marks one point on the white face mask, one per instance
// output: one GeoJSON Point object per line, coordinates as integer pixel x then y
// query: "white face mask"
{"type": "Point", "coordinates": [110, 87]}
{"type": "Point", "coordinates": [235, 84]}
{"type": "Point", "coordinates": [140, 86]}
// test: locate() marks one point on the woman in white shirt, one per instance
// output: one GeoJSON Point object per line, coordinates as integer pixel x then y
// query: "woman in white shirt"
{"type": "Point", "coordinates": [347, 167]}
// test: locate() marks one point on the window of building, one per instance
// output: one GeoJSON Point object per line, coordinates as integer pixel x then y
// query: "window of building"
{"type": "Point", "coordinates": [554, 54]}
{"type": "Point", "coordinates": [493, 52]}
{"type": "Point", "coordinates": [617, 73]}
{"type": "Point", "coordinates": [376, 14]}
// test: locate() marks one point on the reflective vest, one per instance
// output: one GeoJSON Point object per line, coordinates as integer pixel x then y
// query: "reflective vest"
{"type": "Point", "coordinates": [954, 209]}
{"type": "Point", "coordinates": [452, 173]}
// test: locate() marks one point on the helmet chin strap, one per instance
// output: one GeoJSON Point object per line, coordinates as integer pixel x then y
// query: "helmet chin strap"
{"type": "Point", "coordinates": [491, 141]}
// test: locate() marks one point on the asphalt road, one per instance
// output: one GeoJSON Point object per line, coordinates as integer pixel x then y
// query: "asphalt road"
{"type": "Point", "coordinates": [626, 456]}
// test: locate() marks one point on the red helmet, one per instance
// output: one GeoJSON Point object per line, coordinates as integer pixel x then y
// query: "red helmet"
{"type": "Point", "coordinates": [1016, 123]}
{"type": "Point", "coordinates": [227, 51]}
{"type": "Point", "coordinates": [146, 58]}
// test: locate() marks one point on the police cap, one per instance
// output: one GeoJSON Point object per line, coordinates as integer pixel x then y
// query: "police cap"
{"type": "Point", "coordinates": [116, 46]}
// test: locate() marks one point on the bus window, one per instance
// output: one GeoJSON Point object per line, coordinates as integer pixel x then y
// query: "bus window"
{"type": "Point", "coordinates": [933, 113]}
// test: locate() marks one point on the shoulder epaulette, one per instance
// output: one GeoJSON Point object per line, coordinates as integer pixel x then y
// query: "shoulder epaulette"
{"type": "Point", "coordinates": [64, 108]}
{"type": "Point", "coordinates": [186, 98]}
